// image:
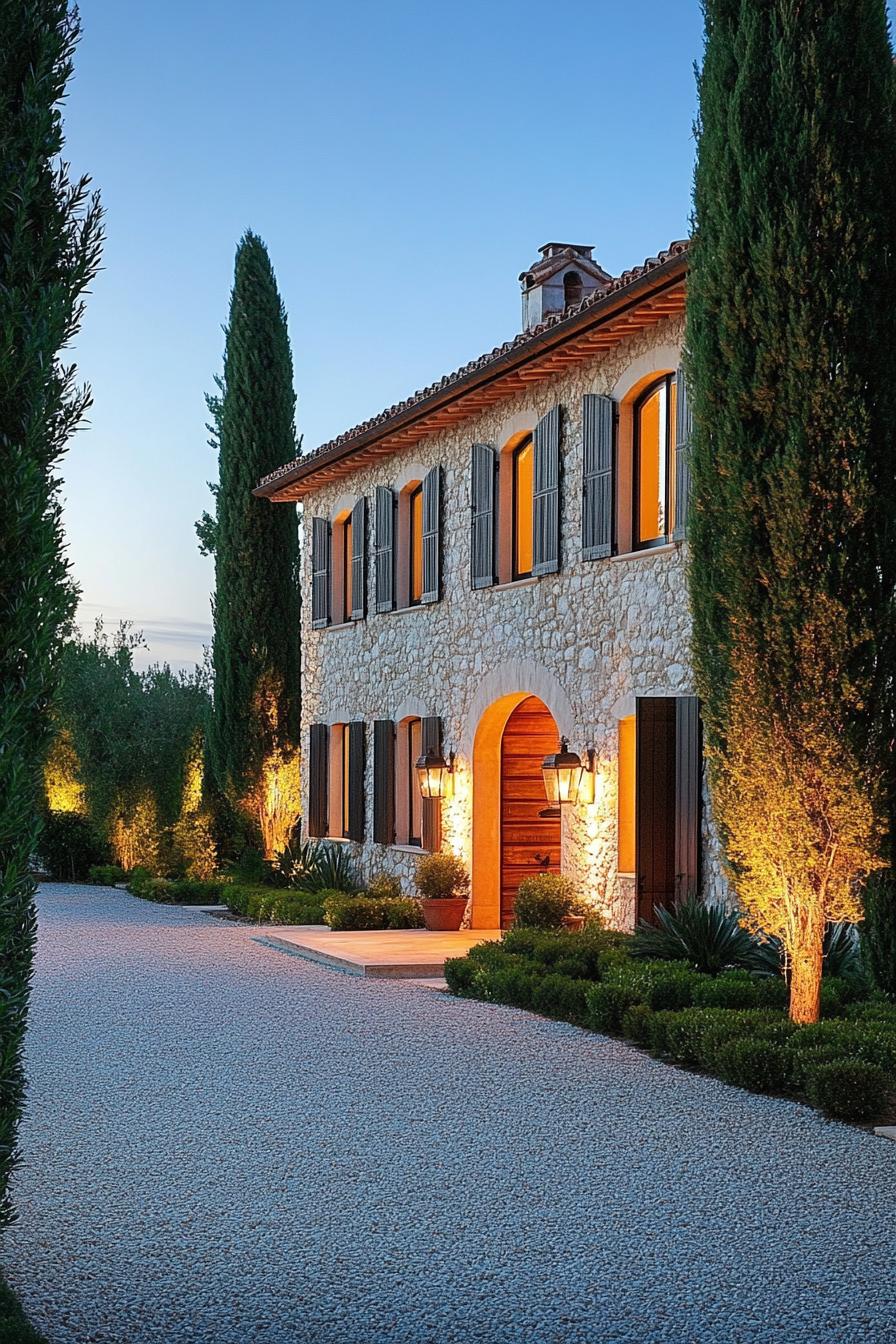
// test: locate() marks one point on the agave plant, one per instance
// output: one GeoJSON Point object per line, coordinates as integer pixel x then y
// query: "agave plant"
{"type": "Point", "coordinates": [709, 937]}
{"type": "Point", "coordinates": [318, 866]}
{"type": "Point", "coordinates": [842, 953]}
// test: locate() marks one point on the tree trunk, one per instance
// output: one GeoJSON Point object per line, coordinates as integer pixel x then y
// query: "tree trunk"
{"type": "Point", "coordinates": [806, 959]}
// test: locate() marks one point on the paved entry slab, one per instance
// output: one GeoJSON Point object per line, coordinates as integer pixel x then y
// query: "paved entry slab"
{"type": "Point", "coordinates": [394, 954]}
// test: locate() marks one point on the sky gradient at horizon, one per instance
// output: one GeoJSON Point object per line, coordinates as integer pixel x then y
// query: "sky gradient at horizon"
{"type": "Point", "coordinates": [403, 163]}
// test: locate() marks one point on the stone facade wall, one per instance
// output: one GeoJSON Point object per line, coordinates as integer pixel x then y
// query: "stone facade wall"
{"type": "Point", "coordinates": [586, 640]}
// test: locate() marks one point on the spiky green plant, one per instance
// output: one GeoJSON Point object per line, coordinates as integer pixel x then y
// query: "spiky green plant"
{"type": "Point", "coordinates": [708, 937]}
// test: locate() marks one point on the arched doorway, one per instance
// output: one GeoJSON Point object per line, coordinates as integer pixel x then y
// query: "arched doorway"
{"type": "Point", "coordinates": [530, 830]}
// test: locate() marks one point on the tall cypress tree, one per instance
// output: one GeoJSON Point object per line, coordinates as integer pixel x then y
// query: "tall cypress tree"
{"type": "Point", "coordinates": [50, 236]}
{"type": "Point", "coordinates": [792, 369]}
{"type": "Point", "coordinates": [254, 735]}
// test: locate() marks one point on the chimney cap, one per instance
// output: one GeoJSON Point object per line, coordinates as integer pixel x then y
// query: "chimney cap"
{"type": "Point", "coordinates": [555, 250]}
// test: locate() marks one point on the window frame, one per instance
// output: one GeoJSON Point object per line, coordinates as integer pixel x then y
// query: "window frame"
{"type": "Point", "coordinates": [414, 534]}
{"type": "Point", "coordinates": [667, 381]}
{"type": "Point", "coordinates": [346, 539]}
{"type": "Point", "coordinates": [414, 798]}
{"type": "Point", "coordinates": [527, 442]}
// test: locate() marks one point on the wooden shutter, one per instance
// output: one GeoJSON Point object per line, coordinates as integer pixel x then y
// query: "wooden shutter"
{"type": "Point", "coordinates": [684, 426]}
{"type": "Point", "coordinates": [359, 561]}
{"type": "Point", "coordinates": [688, 796]}
{"type": "Point", "coordinates": [431, 737]}
{"type": "Point", "coordinates": [384, 781]}
{"type": "Point", "coordinates": [432, 541]}
{"type": "Point", "coordinates": [318, 779]}
{"type": "Point", "coordinates": [385, 549]}
{"type": "Point", "coordinates": [598, 476]}
{"type": "Point", "coordinates": [320, 573]}
{"type": "Point", "coordinates": [356, 770]}
{"type": "Point", "coordinates": [482, 525]}
{"type": "Point", "coordinates": [655, 803]}
{"type": "Point", "coordinates": [546, 513]}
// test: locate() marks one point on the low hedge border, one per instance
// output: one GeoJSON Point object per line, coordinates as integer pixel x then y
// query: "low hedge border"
{"type": "Point", "coordinates": [344, 912]}
{"type": "Point", "coordinates": [174, 891]}
{"type": "Point", "coordinates": [274, 905]}
{"type": "Point", "coordinates": [732, 1025]}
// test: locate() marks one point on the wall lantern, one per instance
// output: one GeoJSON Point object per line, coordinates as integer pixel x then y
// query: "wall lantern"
{"type": "Point", "coordinates": [566, 778]}
{"type": "Point", "coordinates": [434, 774]}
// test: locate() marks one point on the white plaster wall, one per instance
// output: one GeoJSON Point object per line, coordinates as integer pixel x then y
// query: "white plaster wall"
{"type": "Point", "coordinates": [586, 639]}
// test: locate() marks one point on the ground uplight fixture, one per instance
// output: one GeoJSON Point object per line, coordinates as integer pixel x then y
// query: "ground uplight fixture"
{"type": "Point", "coordinates": [566, 778]}
{"type": "Point", "coordinates": [434, 773]}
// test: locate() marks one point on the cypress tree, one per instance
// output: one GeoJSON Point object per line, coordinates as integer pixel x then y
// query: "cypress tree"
{"type": "Point", "coordinates": [792, 368]}
{"type": "Point", "coordinates": [254, 735]}
{"type": "Point", "coordinates": [50, 236]}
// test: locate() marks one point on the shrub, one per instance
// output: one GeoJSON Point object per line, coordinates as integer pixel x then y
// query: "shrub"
{"type": "Point", "coordinates": [580, 955]}
{"type": "Point", "coordinates": [848, 1089]}
{"type": "Point", "coordinates": [706, 936]}
{"type": "Point", "coordinates": [384, 885]}
{"type": "Point", "coordinates": [441, 877]}
{"type": "Point", "coordinates": [511, 984]}
{"type": "Point", "coordinates": [872, 1042]}
{"type": "Point", "coordinates": [70, 847]}
{"type": "Point", "coordinates": [606, 1005]}
{"type": "Point", "coordinates": [344, 912]}
{"type": "Point", "coordinates": [319, 866]}
{"type": "Point", "coordinates": [561, 996]}
{"type": "Point", "coordinates": [138, 879]}
{"type": "Point", "coordinates": [659, 984]}
{"type": "Point", "coordinates": [872, 1010]}
{"type": "Point", "coordinates": [179, 891]}
{"type": "Point", "coordinates": [459, 973]}
{"type": "Point", "coordinates": [542, 901]}
{"type": "Point", "coordinates": [759, 1065]}
{"type": "Point", "coordinates": [635, 1024]}
{"type": "Point", "coordinates": [695, 1035]}
{"type": "Point", "coordinates": [273, 905]}
{"type": "Point", "coordinates": [107, 874]}
{"type": "Point", "coordinates": [251, 869]}
{"type": "Point", "coordinates": [740, 989]}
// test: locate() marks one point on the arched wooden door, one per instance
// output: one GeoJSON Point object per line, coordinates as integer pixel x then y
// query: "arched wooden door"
{"type": "Point", "coordinates": [530, 841]}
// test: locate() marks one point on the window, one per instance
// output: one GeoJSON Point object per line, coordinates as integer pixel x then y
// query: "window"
{"type": "Point", "coordinates": [523, 508]}
{"type": "Point", "coordinates": [626, 795]}
{"type": "Point", "coordinates": [415, 546]}
{"type": "Point", "coordinates": [654, 468]}
{"type": "Point", "coordinates": [346, 777]}
{"type": "Point", "coordinates": [347, 603]}
{"type": "Point", "coordinates": [337, 820]}
{"type": "Point", "coordinates": [408, 799]}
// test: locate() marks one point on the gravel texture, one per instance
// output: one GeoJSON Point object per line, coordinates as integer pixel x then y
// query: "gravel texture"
{"type": "Point", "coordinates": [228, 1144]}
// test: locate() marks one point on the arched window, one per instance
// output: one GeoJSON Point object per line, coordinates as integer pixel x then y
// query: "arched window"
{"type": "Point", "coordinates": [572, 288]}
{"type": "Point", "coordinates": [523, 508]}
{"type": "Point", "coordinates": [654, 475]}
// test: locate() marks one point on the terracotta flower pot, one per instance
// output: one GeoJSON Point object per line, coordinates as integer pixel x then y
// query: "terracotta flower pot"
{"type": "Point", "coordinates": [444, 916]}
{"type": "Point", "coordinates": [574, 923]}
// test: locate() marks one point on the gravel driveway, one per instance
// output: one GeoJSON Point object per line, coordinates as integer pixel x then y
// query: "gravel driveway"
{"type": "Point", "coordinates": [228, 1144]}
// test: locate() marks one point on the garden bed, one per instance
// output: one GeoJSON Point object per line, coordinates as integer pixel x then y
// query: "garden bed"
{"type": "Point", "coordinates": [733, 1025]}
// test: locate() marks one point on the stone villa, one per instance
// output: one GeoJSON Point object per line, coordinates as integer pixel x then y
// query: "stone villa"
{"type": "Point", "coordinates": [497, 564]}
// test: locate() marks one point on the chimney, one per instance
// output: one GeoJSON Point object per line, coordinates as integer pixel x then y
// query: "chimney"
{"type": "Point", "coordinates": [564, 275]}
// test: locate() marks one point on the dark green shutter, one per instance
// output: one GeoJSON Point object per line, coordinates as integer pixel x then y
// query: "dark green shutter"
{"type": "Point", "coordinates": [432, 541]}
{"type": "Point", "coordinates": [688, 797]}
{"type": "Point", "coordinates": [356, 771]}
{"type": "Point", "coordinates": [359, 561]}
{"type": "Point", "coordinates": [320, 572]}
{"type": "Point", "coordinates": [385, 549]}
{"type": "Point", "coordinates": [684, 426]}
{"type": "Point", "coordinates": [318, 779]}
{"type": "Point", "coordinates": [655, 804]}
{"type": "Point", "coordinates": [598, 476]}
{"type": "Point", "coordinates": [384, 781]}
{"type": "Point", "coordinates": [482, 508]}
{"type": "Point", "coordinates": [546, 512]}
{"type": "Point", "coordinates": [431, 739]}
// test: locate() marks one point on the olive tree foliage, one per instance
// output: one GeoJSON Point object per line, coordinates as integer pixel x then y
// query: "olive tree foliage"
{"type": "Point", "coordinates": [50, 240]}
{"type": "Point", "coordinates": [792, 371]}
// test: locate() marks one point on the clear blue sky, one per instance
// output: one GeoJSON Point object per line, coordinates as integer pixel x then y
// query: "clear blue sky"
{"type": "Point", "coordinates": [402, 160]}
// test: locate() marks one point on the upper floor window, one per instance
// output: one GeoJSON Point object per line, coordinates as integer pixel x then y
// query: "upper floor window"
{"type": "Point", "coordinates": [415, 545]}
{"type": "Point", "coordinates": [523, 508]}
{"type": "Point", "coordinates": [344, 545]}
{"type": "Point", "coordinates": [653, 462]}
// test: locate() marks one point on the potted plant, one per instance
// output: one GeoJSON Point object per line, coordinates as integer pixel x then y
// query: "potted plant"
{"type": "Point", "coordinates": [443, 883]}
{"type": "Point", "coordinates": [547, 901]}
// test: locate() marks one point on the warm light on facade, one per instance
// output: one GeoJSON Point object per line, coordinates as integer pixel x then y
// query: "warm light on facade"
{"type": "Point", "coordinates": [566, 778]}
{"type": "Point", "coordinates": [434, 774]}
